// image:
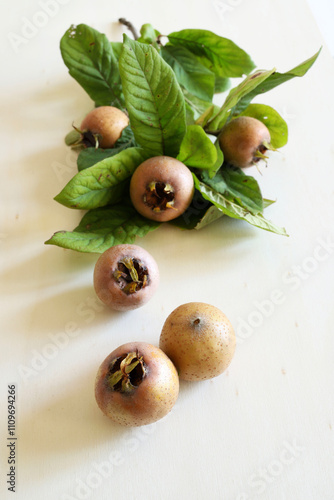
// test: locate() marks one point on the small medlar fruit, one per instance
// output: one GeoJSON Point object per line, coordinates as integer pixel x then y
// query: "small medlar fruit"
{"type": "Point", "coordinates": [161, 188]}
{"type": "Point", "coordinates": [137, 384]}
{"type": "Point", "coordinates": [244, 141]}
{"type": "Point", "coordinates": [199, 339]}
{"type": "Point", "coordinates": [103, 126]}
{"type": "Point", "coordinates": [125, 277]}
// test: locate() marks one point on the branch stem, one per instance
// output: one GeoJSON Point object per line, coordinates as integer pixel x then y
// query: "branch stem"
{"type": "Point", "coordinates": [130, 26]}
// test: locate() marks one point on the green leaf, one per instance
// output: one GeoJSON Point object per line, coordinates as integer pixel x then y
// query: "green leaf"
{"type": "Point", "coordinates": [198, 106]}
{"type": "Point", "coordinates": [267, 203]}
{"type": "Point", "coordinates": [274, 122]}
{"type": "Point", "coordinates": [235, 95]}
{"type": "Point", "coordinates": [221, 84]}
{"type": "Point", "coordinates": [198, 214]}
{"type": "Point", "coordinates": [117, 49]}
{"type": "Point", "coordinates": [219, 162]}
{"type": "Point", "coordinates": [90, 156]}
{"type": "Point", "coordinates": [238, 187]}
{"type": "Point", "coordinates": [103, 228]}
{"type": "Point", "coordinates": [148, 34]}
{"type": "Point", "coordinates": [201, 213]}
{"type": "Point", "coordinates": [98, 185]}
{"type": "Point", "coordinates": [234, 210]}
{"type": "Point", "coordinates": [197, 219]}
{"type": "Point", "coordinates": [72, 137]}
{"type": "Point", "coordinates": [257, 83]}
{"type": "Point", "coordinates": [127, 138]}
{"type": "Point", "coordinates": [273, 81]}
{"type": "Point", "coordinates": [205, 117]}
{"type": "Point", "coordinates": [211, 215]}
{"type": "Point", "coordinates": [222, 56]}
{"type": "Point", "coordinates": [154, 99]}
{"type": "Point", "coordinates": [90, 59]}
{"type": "Point", "coordinates": [190, 73]}
{"type": "Point", "coordinates": [196, 149]}
{"type": "Point", "coordinates": [190, 115]}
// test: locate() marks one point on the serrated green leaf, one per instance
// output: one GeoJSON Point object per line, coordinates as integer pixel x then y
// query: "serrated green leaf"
{"type": "Point", "coordinates": [272, 119]}
{"type": "Point", "coordinates": [238, 187]}
{"type": "Point", "coordinates": [154, 99]}
{"type": "Point", "coordinates": [219, 162]}
{"type": "Point", "coordinates": [190, 115]}
{"type": "Point", "coordinates": [267, 203]}
{"type": "Point", "coordinates": [211, 215]}
{"type": "Point", "coordinates": [235, 95]}
{"type": "Point", "coordinates": [273, 81]}
{"type": "Point", "coordinates": [198, 106]}
{"type": "Point", "coordinates": [90, 156]}
{"type": "Point", "coordinates": [97, 186]}
{"type": "Point", "coordinates": [148, 34]}
{"type": "Point", "coordinates": [221, 84]}
{"type": "Point", "coordinates": [205, 117]}
{"type": "Point", "coordinates": [103, 228]}
{"type": "Point", "coordinates": [127, 138]}
{"type": "Point", "coordinates": [190, 73]}
{"type": "Point", "coordinates": [220, 55]}
{"type": "Point", "coordinates": [234, 210]}
{"type": "Point", "coordinates": [255, 84]}
{"type": "Point", "coordinates": [117, 49]}
{"type": "Point", "coordinates": [196, 149]}
{"type": "Point", "coordinates": [198, 211]}
{"type": "Point", "coordinates": [91, 61]}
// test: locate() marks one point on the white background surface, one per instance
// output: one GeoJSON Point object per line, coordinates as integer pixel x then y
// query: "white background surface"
{"type": "Point", "coordinates": [264, 429]}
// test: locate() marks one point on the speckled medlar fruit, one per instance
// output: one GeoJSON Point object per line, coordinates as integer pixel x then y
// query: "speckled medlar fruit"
{"type": "Point", "coordinates": [137, 384]}
{"type": "Point", "coordinates": [125, 277]}
{"type": "Point", "coordinates": [244, 141]}
{"type": "Point", "coordinates": [103, 126]}
{"type": "Point", "coordinates": [161, 188]}
{"type": "Point", "coordinates": [199, 339]}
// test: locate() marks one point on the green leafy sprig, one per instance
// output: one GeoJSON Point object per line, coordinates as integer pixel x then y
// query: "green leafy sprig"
{"type": "Point", "coordinates": [167, 92]}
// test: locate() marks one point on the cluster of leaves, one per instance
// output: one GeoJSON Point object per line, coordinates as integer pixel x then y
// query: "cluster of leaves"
{"type": "Point", "coordinates": [167, 91]}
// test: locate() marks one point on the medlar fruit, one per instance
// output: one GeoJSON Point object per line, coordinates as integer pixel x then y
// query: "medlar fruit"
{"type": "Point", "coordinates": [161, 188]}
{"type": "Point", "coordinates": [199, 339]}
{"type": "Point", "coordinates": [103, 126]}
{"type": "Point", "coordinates": [125, 277]}
{"type": "Point", "coordinates": [244, 141]}
{"type": "Point", "coordinates": [137, 384]}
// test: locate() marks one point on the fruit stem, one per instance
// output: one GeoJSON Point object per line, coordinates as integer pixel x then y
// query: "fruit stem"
{"type": "Point", "coordinates": [130, 27]}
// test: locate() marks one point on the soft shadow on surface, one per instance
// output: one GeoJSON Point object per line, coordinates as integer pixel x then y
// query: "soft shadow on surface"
{"type": "Point", "coordinates": [63, 428]}
{"type": "Point", "coordinates": [45, 269]}
{"type": "Point", "coordinates": [68, 423]}
{"type": "Point", "coordinates": [79, 306]}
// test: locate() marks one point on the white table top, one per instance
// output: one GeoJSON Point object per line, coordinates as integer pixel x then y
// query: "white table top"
{"type": "Point", "coordinates": [264, 429]}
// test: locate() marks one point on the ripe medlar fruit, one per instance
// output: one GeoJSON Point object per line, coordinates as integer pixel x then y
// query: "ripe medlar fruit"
{"type": "Point", "coordinates": [103, 126]}
{"type": "Point", "coordinates": [161, 188]}
{"type": "Point", "coordinates": [125, 277]}
{"type": "Point", "coordinates": [244, 141]}
{"type": "Point", "coordinates": [137, 384]}
{"type": "Point", "coordinates": [199, 339]}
